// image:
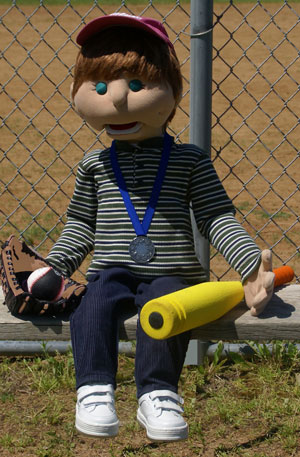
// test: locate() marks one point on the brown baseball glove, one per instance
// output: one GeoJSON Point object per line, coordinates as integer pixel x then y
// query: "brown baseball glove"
{"type": "Point", "coordinates": [18, 261]}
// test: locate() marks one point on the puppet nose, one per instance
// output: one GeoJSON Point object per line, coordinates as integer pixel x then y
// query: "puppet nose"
{"type": "Point", "coordinates": [118, 92]}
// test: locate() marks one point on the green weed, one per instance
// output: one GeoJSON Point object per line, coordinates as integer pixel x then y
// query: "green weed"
{"type": "Point", "coordinates": [283, 354]}
{"type": "Point", "coordinates": [7, 441]}
{"type": "Point", "coordinates": [41, 228]}
{"type": "Point", "coordinates": [263, 214]}
{"type": "Point", "coordinates": [234, 407]}
{"type": "Point", "coordinates": [6, 397]}
{"type": "Point", "coordinates": [209, 369]}
{"type": "Point", "coordinates": [51, 373]}
{"type": "Point", "coordinates": [244, 206]}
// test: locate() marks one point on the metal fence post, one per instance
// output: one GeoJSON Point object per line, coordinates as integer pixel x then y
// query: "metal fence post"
{"type": "Point", "coordinates": [201, 89]}
{"type": "Point", "coordinates": [200, 120]}
{"type": "Point", "coordinates": [201, 73]}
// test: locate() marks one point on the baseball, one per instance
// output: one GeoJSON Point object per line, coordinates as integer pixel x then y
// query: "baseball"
{"type": "Point", "coordinates": [46, 284]}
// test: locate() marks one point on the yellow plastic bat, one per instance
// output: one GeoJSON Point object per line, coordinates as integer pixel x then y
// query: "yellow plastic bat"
{"type": "Point", "coordinates": [189, 308]}
{"type": "Point", "coordinates": [194, 306]}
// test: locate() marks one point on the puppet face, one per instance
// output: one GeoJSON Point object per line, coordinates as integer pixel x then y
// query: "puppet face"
{"type": "Point", "coordinates": [128, 108]}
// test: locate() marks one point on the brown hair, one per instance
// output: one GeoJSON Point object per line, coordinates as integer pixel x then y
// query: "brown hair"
{"type": "Point", "coordinates": [120, 50]}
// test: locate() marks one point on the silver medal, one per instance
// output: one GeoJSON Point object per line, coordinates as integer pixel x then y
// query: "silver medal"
{"type": "Point", "coordinates": [141, 249]}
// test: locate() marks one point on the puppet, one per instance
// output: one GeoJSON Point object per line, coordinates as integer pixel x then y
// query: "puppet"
{"type": "Point", "coordinates": [131, 207]}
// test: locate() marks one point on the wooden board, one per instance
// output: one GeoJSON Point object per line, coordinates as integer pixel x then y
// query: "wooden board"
{"type": "Point", "coordinates": [280, 320]}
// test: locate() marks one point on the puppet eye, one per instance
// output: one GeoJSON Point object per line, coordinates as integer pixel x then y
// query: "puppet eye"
{"type": "Point", "coordinates": [101, 88]}
{"type": "Point", "coordinates": [136, 85]}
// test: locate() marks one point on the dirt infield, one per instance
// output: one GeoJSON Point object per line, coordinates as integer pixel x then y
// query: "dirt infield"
{"type": "Point", "coordinates": [256, 110]}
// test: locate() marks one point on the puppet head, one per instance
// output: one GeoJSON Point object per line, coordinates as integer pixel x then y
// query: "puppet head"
{"type": "Point", "coordinates": [127, 77]}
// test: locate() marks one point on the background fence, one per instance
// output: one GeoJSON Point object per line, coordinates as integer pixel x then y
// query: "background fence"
{"type": "Point", "coordinates": [255, 116]}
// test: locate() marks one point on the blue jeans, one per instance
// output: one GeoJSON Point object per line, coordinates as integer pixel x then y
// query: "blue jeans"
{"type": "Point", "coordinates": [94, 331]}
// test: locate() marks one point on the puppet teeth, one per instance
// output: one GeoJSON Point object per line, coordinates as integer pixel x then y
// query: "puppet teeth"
{"type": "Point", "coordinates": [114, 130]}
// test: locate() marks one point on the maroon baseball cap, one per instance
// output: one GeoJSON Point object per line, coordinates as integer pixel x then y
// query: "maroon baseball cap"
{"type": "Point", "coordinates": [121, 19]}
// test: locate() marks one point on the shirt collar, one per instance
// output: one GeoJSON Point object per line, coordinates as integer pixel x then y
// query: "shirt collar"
{"type": "Point", "coordinates": [151, 143]}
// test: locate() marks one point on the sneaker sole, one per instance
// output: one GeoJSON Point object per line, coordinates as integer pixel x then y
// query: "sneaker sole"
{"type": "Point", "coordinates": [155, 434]}
{"type": "Point", "coordinates": [103, 431]}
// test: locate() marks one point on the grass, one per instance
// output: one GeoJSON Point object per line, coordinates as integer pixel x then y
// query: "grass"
{"type": "Point", "coordinates": [89, 2]}
{"type": "Point", "coordinates": [245, 207]}
{"type": "Point", "coordinates": [234, 407]}
{"type": "Point", "coordinates": [126, 2]}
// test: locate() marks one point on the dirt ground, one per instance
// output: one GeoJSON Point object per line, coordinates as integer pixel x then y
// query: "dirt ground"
{"type": "Point", "coordinates": [232, 410]}
{"type": "Point", "coordinates": [255, 120]}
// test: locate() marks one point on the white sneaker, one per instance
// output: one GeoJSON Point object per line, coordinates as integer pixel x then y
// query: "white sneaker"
{"type": "Point", "coordinates": [159, 413]}
{"type": "Point", "coordinates": [95, 411]}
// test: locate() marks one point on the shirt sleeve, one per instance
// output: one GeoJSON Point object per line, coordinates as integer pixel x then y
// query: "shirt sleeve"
{"type": "Point", "coordinates": [77, 238]}
{"type": "Point", "coordinates": [228, 236]}
{"type": "Point", "coordinates": [214, 215]}
{"type": "Point", "coordinates": [207, 195]}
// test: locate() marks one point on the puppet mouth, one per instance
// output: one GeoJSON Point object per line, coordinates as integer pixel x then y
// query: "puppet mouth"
{"type": "Point", "coordinates": [123, 129]}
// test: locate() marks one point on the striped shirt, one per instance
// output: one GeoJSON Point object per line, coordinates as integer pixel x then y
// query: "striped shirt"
{"type": "Point", "coordinates": [97, 219]}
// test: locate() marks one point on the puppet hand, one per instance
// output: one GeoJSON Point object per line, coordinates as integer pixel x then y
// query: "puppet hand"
{"type": "Point", "coordinates": [259, 286]}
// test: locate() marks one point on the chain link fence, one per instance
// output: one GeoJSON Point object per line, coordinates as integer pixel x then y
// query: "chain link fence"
{"type": "Point", "coordinates": [255, 118]}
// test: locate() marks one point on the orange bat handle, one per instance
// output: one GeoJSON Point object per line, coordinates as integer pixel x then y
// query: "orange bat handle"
{"type": "Point", "coordinates": [283, 275]}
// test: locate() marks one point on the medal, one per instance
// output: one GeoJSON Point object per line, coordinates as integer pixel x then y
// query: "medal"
{"type": "Point", "coordinates": [141, 248]}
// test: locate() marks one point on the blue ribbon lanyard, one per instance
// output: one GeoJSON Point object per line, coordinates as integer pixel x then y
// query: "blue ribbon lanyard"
{"type": "Point", "coordinates": [142, 228]}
